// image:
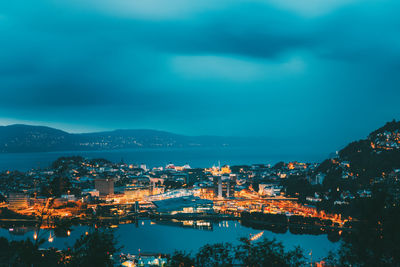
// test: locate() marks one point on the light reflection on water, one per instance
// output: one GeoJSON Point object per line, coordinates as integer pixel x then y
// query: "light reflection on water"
{"type": "Point", "coordinates": [167, 236]}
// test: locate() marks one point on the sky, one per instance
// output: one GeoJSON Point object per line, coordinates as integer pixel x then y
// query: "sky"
{"type": "Point", "coordinates": [322, 72]}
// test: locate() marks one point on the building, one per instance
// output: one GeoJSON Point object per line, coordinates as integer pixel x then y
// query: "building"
{"type": "Point", "coordinates": [318, 179]}
{"type": "Point", "coordinates": [184, 205]}
{"type": "Point", "coordinates": [134, 193]}
{"type": "Point", "coordinates": [269, 190]}
{"type": "Point", "coordinates": [140, 181]}
{"type": "Point", "coordinates": [215, 171]}
{"type": "Point", "coordinates": [18, 201]}
{"type": "Point", "coordinates": [92, 192]}
{"type": "Point", "coordinates": [69, 197]}
{"type": "Point", "coordinates": [150, 260]}
{"type": "Point", "coordinates": [143, 167]}
{"type": "Point", "coordinates": [144, 259]}
{"type": "Point", "coordinates": [104, 186]}
{"type": "Point", "coordinates": [156, 181]}
{"type": "Point", "coordinates": [171, 194]}
{"type": "Point", "coordinates": [224, 186]}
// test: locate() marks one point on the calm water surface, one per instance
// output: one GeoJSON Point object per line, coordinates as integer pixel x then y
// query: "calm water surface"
{"type": "Point", "coordinates": [195, 157]}
{"type": "Point", "coordinates": [163, 238]}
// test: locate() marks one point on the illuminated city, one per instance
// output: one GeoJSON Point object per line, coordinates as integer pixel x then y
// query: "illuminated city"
{"type": "Point", "coordinates": [201, 133]}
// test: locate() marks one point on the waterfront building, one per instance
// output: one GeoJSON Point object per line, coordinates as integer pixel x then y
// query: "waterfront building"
{"type": "Point", "coordinates": [184, 205]}
{"type": "Point", "coordinates": [171, 194]}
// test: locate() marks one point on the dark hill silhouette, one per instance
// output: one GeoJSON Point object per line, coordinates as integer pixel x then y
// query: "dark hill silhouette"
{"type": "Point", "coordinates": [27, 138]}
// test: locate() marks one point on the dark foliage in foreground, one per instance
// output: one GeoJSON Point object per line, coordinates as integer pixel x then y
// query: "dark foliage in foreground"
{"type": "Point", "coordinates": [255, 254]}
{"type": "Point", "coordinates": [93, 249]}
{"type": "Point", "coordinates": [26, 253]}
{"type": "Point", "coordinates": [375, 238]}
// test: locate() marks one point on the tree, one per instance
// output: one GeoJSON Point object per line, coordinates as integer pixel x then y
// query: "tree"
{"type": "Point", "coordinates": [374, 239]}
{"type": "Point", "coordinates": [268, 253]}
{"type": "Point", "coordinates": [26, 253]}
{"type": "Point", "coordinates": [248, 253]}
{"type": "Point", "coordinates": [221, 254]}
{"type": "Point", "coordinates": [181, 259]}
{"type": "Point", "coordinates": [94, 249]}
{"type": "Point", "coordinates": [298, 186]}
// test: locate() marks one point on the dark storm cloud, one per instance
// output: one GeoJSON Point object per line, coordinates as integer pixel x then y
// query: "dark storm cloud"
{"type": "Point", "coordinates": [273, 68]}
{"type": "Point", "coordinates": [72, 57]}
{"type": "Point", "coordinates": [266, 33]}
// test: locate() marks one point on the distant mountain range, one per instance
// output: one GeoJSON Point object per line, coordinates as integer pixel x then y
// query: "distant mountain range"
{"type": "Point", "coordinates": [19, 138]}
{"type": "Point", "coordinates": [27, 138]}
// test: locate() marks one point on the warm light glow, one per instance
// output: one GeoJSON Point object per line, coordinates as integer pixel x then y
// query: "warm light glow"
{"type": "Point", "coordinates": [257, 236]}
{"type": "Point", "coordinates": [51, 239]}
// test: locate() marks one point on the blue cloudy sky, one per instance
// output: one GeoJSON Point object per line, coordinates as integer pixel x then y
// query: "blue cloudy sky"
{"type": "Point", "coordinates": [321, 71]}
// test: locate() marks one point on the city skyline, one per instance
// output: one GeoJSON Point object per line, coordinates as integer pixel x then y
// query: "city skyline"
{"type": "Point", "coordinates": [199, 133]}
{"type": "Point", "coordinates": [323, 73]}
